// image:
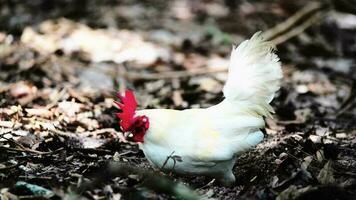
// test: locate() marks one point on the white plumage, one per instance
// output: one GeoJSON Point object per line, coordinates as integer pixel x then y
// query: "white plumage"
{"type": "Point", "coordinates": [206, 141]}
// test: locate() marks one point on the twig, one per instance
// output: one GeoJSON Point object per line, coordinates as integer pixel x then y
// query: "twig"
{"type": "Point", "coordinates": [12, 166]}
{"type": "Point", "coordinates": [347, 104]}
{"type": "Point", "coordinates": [207, 185]}
{"type": "Point", "coordinates": [30, 150]}
{"type": "Point", "coordinates": [308, 10]}
{"type": "Point", "coordinates": [12, 149]}
{"type": "Point", "coordinates": [299, 29]}
{"type": "Point", "coordinates": [36, 177]}
{"type": "Point", "coordinates": [172, 74]}
{"type": "Point", "coordinates": [166, 161]}
{"type": "Point", "coordinates": [126, 153]}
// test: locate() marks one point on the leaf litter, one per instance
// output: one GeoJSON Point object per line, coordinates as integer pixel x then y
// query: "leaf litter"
{"type": "Point", "coordinates": [59, 77]}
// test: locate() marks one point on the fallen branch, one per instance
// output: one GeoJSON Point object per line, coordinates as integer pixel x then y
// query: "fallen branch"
{"type": "Point", "coordinates": [308, 11]}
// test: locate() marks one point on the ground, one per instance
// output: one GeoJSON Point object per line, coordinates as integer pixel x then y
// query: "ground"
{"type": "Point", "coordinates": [62, 63]}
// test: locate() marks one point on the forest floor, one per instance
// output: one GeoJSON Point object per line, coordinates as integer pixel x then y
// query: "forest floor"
{"type": "Point", "coordinates": [61, 64]}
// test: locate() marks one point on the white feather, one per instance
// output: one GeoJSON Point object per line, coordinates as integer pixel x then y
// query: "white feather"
{"type": "Point", "coordinates": [254, 74]}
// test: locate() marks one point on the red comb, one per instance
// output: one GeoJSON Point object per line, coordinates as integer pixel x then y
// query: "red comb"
{"type": "Point", "coordinates": [128, 106]}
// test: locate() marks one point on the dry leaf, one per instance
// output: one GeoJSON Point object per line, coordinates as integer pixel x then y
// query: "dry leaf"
{"type": "Point", "coordinates": [40, 112]}
{"type": "Point", "coordinates": [326, 175]}
{"type": "Point", "coordinates": [292, 192]}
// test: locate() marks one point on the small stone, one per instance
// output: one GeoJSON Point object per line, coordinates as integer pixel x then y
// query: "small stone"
{"type": "Point", "coordinates": [341, 135]}
{"type": "Point", "coordinates": [302, 89]}
{"type": "Point", "coordinates": [315, 138]}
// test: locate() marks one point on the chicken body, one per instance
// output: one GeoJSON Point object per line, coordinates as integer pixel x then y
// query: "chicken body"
{"type": "Point", "coordinates": [200, 141]}
{"type": "Point", "coordinates": [206, 141]}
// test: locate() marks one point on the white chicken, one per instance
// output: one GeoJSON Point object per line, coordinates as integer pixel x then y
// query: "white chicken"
{"type": "Point", "coordinates": [206, 141]}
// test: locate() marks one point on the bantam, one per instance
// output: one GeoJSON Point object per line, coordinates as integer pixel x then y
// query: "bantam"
{"type": "Point", "coordinates": [206, 141]}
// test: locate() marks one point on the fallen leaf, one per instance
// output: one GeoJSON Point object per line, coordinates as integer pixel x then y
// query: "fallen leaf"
{"type": "Point", "coordinates": [40, 112]}
{"type": "Point", "coordinates": [292, 192]}
{"type": "Point", "coordinates": [69, 108]}
{"type": "Point", "coordinates": [326, 175]}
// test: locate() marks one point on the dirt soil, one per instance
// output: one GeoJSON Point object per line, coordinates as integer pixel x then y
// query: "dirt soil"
{"type": "Point", "coordinates": [62, 62]}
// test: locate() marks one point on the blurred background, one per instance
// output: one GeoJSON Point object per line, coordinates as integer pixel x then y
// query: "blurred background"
{"type": "Point", "coordinates": [61, 63]}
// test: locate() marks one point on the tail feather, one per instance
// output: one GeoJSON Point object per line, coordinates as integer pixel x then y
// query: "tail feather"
{"type": "Point", "coordinates": [254, 74]}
